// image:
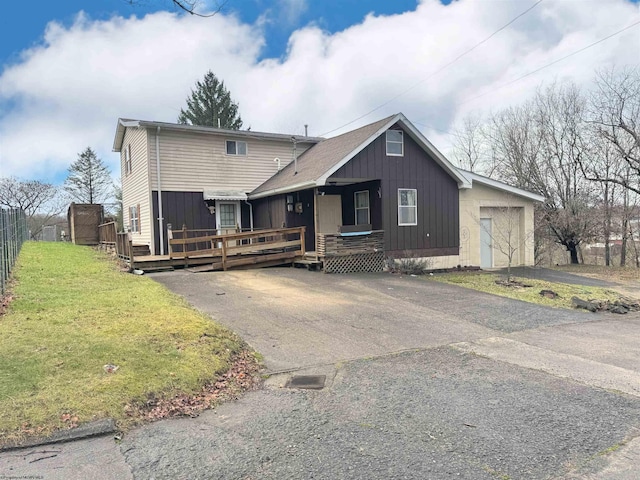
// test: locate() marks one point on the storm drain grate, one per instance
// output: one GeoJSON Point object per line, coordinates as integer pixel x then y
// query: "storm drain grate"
{"type": "Point", "coordinates": [310, 382]}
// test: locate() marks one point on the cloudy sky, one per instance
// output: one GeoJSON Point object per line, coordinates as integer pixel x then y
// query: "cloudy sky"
{"type": "Point", "coordinates": [70, 69]}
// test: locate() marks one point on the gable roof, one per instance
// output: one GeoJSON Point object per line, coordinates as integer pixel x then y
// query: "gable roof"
{"type": "Point", "coordinates": [124, 123]}
{"type": "Point", "coordinates": [317, 164]}
{"type": "Point", "coordinates": [490, 182]}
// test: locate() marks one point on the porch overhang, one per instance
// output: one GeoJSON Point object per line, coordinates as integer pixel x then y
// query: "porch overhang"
{"type": "Point", "coordinates": [230, 195]}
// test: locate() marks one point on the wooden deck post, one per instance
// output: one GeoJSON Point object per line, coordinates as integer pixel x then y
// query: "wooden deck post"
{"type": "Point", "coordinates": [302, 239]}
{"type": "Point", "coordinates": [224, 254]}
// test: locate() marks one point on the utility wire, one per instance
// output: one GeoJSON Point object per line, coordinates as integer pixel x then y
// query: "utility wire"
{"type": "Point", "coordinates": [466, 52]}
{"type": "Point", "coordinates": [549, 64]}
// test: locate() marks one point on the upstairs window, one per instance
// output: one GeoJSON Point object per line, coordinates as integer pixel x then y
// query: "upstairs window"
{"type": "Point", "coordinates": [127, 160]}
{"type": "Point", "coordinates": [395, 143]}
{"type": "Point", "coordinates": [134, 219]}
{"type": "Point", "coordinates": [362, 207]}
{"type": "Point", "coordinates": [407, 206]}
{"type": "Point", "coordinates": [236, 147]}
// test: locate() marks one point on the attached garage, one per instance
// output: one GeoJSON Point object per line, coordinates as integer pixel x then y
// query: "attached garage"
{"type": "Point", "coordinates": [496, 223]}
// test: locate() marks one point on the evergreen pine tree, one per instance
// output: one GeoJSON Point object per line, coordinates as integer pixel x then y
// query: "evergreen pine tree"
{"type": "Point", "coordinates": [89, 180]}
{"type": "Point", "coordinates": [210, 105]}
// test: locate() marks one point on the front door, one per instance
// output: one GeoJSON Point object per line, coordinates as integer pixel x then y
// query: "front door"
{"type": "Point", "coordinates": [227, 217]}
{"type": "Point", "coordinates": [486, 246]}
{"type": "Point", "coordinates": [329, 213]}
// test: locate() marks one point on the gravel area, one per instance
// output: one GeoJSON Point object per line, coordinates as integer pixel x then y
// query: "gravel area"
{"type": "Point", "coordinates": [422, 415]}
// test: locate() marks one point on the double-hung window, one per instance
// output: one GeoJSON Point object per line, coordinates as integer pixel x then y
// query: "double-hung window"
{"type": "Point", "coordinates": [134, 219]}
{"type": "Point", "coordinates": [127, 160]}
{"type": "Point", "coordinates": [395, 143]}
{"type": "Point", "coordinates": [236, 147]}
{"type": "Point", "coordinates": [407, 206]}
{"type": "Point", "coordinates": [362, 207]}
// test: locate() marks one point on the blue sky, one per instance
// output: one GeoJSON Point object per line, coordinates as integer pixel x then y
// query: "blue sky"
{"type": "Point", "coordinates": [67, 76]}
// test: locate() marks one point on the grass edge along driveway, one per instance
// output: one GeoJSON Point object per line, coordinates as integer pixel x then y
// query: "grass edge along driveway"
{"type": "Point", "coordinates": [486, 282]}
{"type": "Point", "coordinates": [74, 312]}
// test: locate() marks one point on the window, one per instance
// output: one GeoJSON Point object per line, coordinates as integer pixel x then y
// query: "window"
{"type": "Point", "coordinates": [395, 143]}
{"type": "Point", "coordinates": [134, 219]}
{"type": "Point", "coordinates": [407, 206]}
{"type": "Point", "coordinates": [227, 213]}
{"type": "Point", "coordinates": [362, 207]}
{"type": "Point", "coordinates": [235, 147]}
{"type": "Point", "coordinates": [127, 159]}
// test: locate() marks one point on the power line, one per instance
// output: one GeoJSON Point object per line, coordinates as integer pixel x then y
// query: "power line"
{"type": "Point", "coordinates": [549, 64]}
{"type": "Point", "coordinates": [437, 71]}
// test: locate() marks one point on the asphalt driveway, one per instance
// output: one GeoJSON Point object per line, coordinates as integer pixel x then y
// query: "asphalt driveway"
{"type": "Point", "coordinates": [297, 318]}
{"type": "Point", "coordinates": [423, 381]}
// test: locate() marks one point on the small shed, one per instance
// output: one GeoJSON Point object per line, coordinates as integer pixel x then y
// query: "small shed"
{"type": "Point", "coordinates": [83, 223]}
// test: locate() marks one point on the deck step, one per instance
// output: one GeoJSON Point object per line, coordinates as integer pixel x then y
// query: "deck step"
{"type": "Point", "coordinates": [308, 263]}
{"type": "Point", "coordinates": [201, 268]}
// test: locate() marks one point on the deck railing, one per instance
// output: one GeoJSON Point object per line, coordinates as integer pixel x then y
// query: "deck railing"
{"type": "Point", "coordinates": [237, 249]}
{"type": "Point", "coordinates": [107, 233]}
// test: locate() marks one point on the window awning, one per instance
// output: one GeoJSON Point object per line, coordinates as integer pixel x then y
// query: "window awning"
{"type": "Point", "coordinates": [224, 195]}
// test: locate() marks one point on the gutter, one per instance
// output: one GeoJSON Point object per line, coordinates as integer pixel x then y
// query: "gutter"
{"type": "Point", "coordinates": [250, 214]}
{"type": "Point", "coordinates": [160, 217]}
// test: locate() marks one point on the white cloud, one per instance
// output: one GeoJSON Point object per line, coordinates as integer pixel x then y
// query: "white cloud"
{"type": "Point", "coordinates": [67, 93]}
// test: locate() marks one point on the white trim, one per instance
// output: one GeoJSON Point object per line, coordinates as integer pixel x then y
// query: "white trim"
{"type": "Point", "coordinates": [414, 133]}
{"type": "Point", "coordinates": [387, 141]}
{"type": "Point", "coordinates": [474, 177]}
{"type": "Point", "coordinates": [408, 206]}
{"type": "Point", "coordinates": [226, 149]}
{"type": "Point", "coordinates": [355, 207]}
{"type": "Point", "coordinates": [288, 189]}
{"type": "Point", "coordinates": [238, 224]}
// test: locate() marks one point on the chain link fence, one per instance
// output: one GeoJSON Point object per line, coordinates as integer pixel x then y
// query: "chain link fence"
{"type": "Point", "coordinates": [13, 233]}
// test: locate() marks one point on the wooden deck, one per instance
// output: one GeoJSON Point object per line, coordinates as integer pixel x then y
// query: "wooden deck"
{"type": "Point", "coordinates": [255, 249]}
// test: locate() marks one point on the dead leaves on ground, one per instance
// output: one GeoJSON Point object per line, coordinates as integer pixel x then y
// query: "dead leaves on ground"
{"type": "Point", "coordinates": [241, 377]}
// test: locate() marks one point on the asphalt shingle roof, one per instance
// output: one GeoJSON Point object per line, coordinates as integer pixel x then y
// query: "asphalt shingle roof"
{"type": "Point", "coordinates": [321, 157]}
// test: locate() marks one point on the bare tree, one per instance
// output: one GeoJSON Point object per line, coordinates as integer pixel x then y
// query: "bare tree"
{"type": "Point", "coordinates": [40, 201]}
{"type": "Point", "coordinates": [470, 145]}
{"type": "Point", "coordinates": [505, 232]}
{"type": "Point", "coordinates": [189, 6]}
{"type": "Point", "coordinates": [614, 112]}
{"type": "Point", "coordinates": [537, 147]}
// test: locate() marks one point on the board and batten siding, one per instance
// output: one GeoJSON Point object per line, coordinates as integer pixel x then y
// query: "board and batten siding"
{"type": "Point", "coordinates": [191, 161]}
{"type": "Point", "coordinates": [135, 185]}
{"type": "Point", "coordinates": [437, 229]}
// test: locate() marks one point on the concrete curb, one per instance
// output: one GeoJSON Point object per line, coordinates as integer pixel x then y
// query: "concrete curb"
{"type": "Point", "coordinates": [91, 429]}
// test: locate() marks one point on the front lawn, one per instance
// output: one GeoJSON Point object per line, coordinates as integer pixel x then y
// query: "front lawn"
{"type": "Point", "coordinates": [73, 313]}
{"type": "Point", "coordinates": [486, 282]}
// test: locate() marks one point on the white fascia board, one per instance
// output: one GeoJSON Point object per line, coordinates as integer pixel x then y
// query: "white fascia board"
{"type": "Point", "coordinates": [277, 191]}
{"type": "Point", "coordinates": [463, 182]}
{"type": "Point", "coordinates": [120, 128]}
{"type": "Point", "coordinates": [489, 182]}
{"type": "Point", "coordinates": [323, 179]}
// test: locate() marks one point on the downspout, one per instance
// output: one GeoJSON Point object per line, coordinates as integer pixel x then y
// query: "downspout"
{"type": "Point", "coordinates": [160, 217]}
{"type": "Point", "coordinates": [250, 214]}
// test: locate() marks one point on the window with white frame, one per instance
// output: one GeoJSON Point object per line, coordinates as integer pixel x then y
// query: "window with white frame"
{"type": "Point", "coordinates": [361, 201]}
{"type": "Point", "coordinates": [127, 160]}
{"type": "Point", "coordinates": [134, 219]}
{"type": "Point", "coordinates": [236, 147]}
{"type": "Point", "coordinates": [395, 143]}
{"type": "Point", "coordinates": [407, 206]}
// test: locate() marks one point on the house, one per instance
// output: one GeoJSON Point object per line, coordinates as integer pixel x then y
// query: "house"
{"type": "Point", "coordinates": [379, 190]}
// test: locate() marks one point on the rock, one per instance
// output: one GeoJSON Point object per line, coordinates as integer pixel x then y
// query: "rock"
{"type": "Point", "coordinates": [583, 304]}
{"type": "Point", "coordinates": [621, 309]}
{"type": "Point", "coordinates": [549, 294]}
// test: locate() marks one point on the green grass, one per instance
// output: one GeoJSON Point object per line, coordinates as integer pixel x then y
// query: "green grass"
{"type": "Point", "coordinates": [486, 282]}
{"type": "Point", "coordinates": [74, 312]}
